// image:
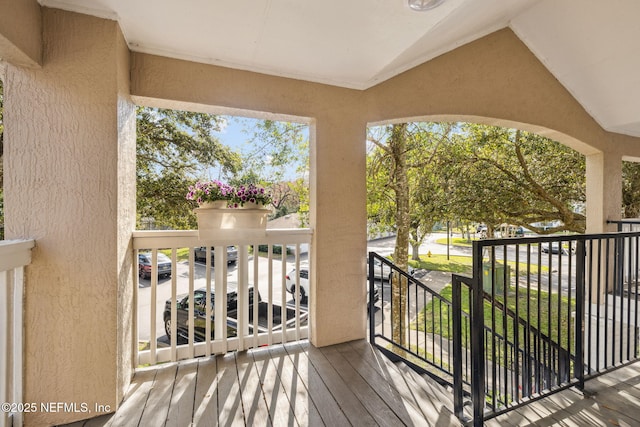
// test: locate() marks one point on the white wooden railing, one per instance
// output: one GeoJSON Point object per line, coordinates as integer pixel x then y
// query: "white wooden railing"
{"type": "Point", "coordinates": [14, 256]}
{"type": "Point", "coordinates": [266, 273]}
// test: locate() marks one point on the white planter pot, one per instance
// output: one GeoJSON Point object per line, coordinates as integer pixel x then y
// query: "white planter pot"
{"type": "Point", "coordinates": [252, 205]}
{"type": "Point", "coordinates": [212, 221]}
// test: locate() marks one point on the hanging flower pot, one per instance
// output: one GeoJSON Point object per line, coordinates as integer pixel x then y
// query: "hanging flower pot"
{"type": "Point", "coordinates": [214, 222]}
{"type": "Point", "coordinates": [222, 207]}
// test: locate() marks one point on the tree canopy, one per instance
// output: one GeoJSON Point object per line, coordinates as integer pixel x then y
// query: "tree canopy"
{"type": "Point", "coordinates": [498, 175]}
{"type": "Point", "coordinates": [277, 156]}
{"type": "Point", "coordinates": [631, 189]}
{"type": "Point", "coordinates": [174, 148]}
{"type": "Point", "coordinates": [473, 173]}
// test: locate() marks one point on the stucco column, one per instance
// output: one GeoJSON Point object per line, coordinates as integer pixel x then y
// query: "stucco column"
{"type": "Point", "coordinates": [604, 191]}
{"type": "Point", "coordinates": [70, 185]}
{"type": "Point", "coordinates": [604, 202]}
{"type": "Point", "coordinates": [338, 216]}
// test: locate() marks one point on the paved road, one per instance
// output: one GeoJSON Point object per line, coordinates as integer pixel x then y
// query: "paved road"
{"type": "Point", "coordinates": [163, 291]}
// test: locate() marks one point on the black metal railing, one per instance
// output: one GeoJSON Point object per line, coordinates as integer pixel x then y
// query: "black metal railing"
{"type": "Point", "coordinates": [415, 321]}
{"type": "Point", "coordinates": [539, 315]}
{"type": "Point", "coordinates": [569, 305]}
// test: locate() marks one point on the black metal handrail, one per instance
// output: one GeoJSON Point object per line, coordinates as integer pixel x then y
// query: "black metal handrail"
{"type": "Point", "coordinates": [452, 351]}
{"type": "Point", "coordinates": [414, 346]}
{"type": "Point", "coordinates": [573, 315]}
{"type": "Point", "coordinates": [440, 368]}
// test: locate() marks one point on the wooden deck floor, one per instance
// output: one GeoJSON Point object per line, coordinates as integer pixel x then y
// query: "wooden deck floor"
{"type": "Point", "coordinates": [611, 400]}
{"type": "Point", "coordinates": [290, 385]}
{"type": "Point", "coordinates": [347, 384]}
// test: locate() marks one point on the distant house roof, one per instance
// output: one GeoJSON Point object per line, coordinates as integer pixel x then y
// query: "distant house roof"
{"type": "Point", "coordinates": [287, 221]}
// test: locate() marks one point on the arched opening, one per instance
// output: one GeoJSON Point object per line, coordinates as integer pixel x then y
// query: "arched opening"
{"type": "Point", "coordinates": [232, 159]}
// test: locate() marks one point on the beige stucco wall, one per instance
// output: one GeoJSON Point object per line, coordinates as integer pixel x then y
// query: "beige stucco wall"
{"type": "Point", "coordinates": [70, 163]}
{"type": "Point", "coordinates": [497, 80]}
{"type": "Point", "coordinates": [338, 191]}
{"type": "Point", "coordinates": [67, 126]}
{"type": "Point", "coordinates": [21, 32]}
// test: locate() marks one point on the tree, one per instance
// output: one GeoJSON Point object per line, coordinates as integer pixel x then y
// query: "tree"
{"type": "Point", "coordinates": [506, 175]}
{"type": "Point", "coordinates": [278, 157]}
{"type": "Point", "coordinates": [422, 188]}
{"type": "Point", "coordinates": [174, 148]}
{"type": "Point", "coordinates": [402, 193]}
{"type": "Point", "coordinates": [631, 189]}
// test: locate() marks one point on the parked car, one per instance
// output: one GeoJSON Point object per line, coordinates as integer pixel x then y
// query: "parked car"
{"type": "Point", "coordinates": [556, 248]}
{"type": "Point", "coordinates": [144, 265]}
{"type": "Point", "coordinates": [381, 271]}
{"type": "Point", "coordinates": [304, 282]}
{"type": "Point", "coordinates": [200, 317]}
{"type": "Point", "coordinates": [376, 295]}
{"type": "Point", "coordinates": [200, 254]}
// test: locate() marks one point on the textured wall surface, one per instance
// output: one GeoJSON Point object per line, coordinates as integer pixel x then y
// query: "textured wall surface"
{"type": "Point", "coordinates": [126, 208]}
{"type": "Point", "coordinates": [338, 187]}
{"type": "Point", "coordinates": [494, 80]}
{"type": "Point", "coordinates": [21, 32]}
{"type": "Point", "coordinates": [63, 124]}
{"type": "Point", "coordinates": [70, 177]}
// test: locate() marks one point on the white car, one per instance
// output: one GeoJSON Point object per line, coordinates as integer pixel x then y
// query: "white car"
{"type": "Point", "coordinates": [381, 271]}
{"type": "Point", "coordinates": [304, 282]}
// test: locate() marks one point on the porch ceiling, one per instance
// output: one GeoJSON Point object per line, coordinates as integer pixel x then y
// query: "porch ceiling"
{"type": "Point", "coordinates": [592, 47]}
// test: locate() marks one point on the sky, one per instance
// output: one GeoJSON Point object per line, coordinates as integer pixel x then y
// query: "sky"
{"type": "Point", "coordinates": [237, 135]}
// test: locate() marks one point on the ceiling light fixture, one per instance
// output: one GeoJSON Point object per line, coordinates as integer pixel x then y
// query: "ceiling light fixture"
{"type": "Point", "coordinates": [422, 5]}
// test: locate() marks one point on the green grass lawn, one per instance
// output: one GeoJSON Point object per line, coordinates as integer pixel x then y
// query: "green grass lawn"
{"type": "Point", "coordinates": [455, 263]}
{"type": "Point", "coordinates": [181, 253]}
{"type": "Point", "coordinates": [460, 264]}
{"type": "Point", "coordinates": [456, 241]}
{"type": "Point", "coordinates": [541, 304]}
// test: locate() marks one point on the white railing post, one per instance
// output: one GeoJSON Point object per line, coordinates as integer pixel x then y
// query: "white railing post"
{"type": "Point", "coordinates": [14, 256]}
{"type": "Point", "coordinates": [275, 319]}
{"type": "Point", "coordinates": [243, 296]}
{"type": "Point", "coordinates": [4, 342]}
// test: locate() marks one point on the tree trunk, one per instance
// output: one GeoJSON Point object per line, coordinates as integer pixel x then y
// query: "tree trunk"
{"type": "Point", "coordinates": [398, 147]}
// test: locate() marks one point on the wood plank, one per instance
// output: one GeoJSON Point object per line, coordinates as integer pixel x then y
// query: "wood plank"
{"type": "Point", "coordinates": [253, 401]}
{"type": "Point", "coordinates": [130, 412]}
{"type": "Point", "coordinates": [376, 406]}
{"type": "Point", "coordinates": [230, 411]}
{"type": "Point", "coordinates": [351, 406]}
{"type": "Point", "coordinates": [205, 398]}
{"type": "Point", "coordinates": [277, 401]}
{"type": "Point", "coordinates": [302, 406]}
{"type": "Point", "coordinates": [182, 398]}
{"type": "Point", "coordinates": [328, 409]}
{"type": "Point", "coordinates": [157, 405]}
{"type": "Point", "coordinates": [427, 395]}
{"type": "Point", "coordinates": [436, 392]}
{"type": "Point", "coordinates": [389, 372]}
{"type": "Point", "coordinates": [383, 388]}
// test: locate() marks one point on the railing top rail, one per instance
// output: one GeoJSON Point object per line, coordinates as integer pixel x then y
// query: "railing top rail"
{"type": "Point", "coordinates": [145, 239]}
{"type": "Point", "coordinates": [624, 221]}
{"type": "Point", "coordinates": [553, 238]}
{"type": "Point", "coordinates": [15, 253]}
{"type": "Point", "coordinates": [409, 277]}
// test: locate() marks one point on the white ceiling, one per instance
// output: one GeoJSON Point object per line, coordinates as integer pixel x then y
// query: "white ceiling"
{"type": "Point", "coordinates": [591, 46]}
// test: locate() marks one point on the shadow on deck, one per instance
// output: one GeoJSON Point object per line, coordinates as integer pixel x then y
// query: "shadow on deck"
{"type": "Point", "coordinates": [292, 384]}
{"type": "Point", "coordinates": [345, 384]}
